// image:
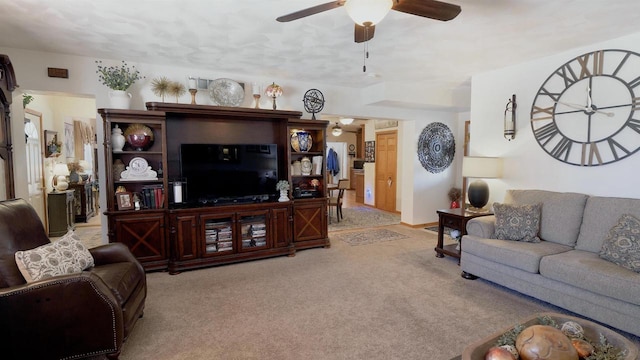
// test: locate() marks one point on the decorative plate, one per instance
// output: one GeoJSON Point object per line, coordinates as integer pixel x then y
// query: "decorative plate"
{"type": "Point", "coordinates": [138, 129]}
{"type": "Point", "coordinates": [226, 92]}
{"type": "Point", "coordinates": [436, 147]}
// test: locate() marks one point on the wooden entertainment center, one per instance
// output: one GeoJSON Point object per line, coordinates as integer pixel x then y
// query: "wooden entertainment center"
{"type": "Point", "coordinates": [165, 235]}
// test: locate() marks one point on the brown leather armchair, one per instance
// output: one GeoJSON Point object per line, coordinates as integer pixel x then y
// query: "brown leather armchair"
{"type": "Point", "coordinates": [70, 316]}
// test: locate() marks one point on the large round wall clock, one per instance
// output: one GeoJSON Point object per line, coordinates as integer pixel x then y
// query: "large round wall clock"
{"type": "Point", "coordinates": [585, 112]}
{"type": "Point", "coordinates": [436, 147]}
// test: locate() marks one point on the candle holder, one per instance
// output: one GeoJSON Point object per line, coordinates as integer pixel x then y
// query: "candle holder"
{"type": "Point", "coordinates": [193, 95]}
{"type": "Point", "coordinates": [256, 97]}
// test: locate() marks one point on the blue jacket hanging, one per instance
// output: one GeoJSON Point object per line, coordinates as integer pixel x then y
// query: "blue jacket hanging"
{"type": "Point", "coordinates": [333, 165]}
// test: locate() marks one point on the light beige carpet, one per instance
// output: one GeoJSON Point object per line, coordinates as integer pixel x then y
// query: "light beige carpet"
{"type": "Point", "coordinates": [384, 300]}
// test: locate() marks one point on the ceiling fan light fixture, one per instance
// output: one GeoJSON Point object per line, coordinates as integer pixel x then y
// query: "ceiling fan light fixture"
{"type": "Point", "coordinates": [346, 121]}
{"type": "Point", "coordinates": [337, 130]}
{"type": "Point", "coordinates": [368, 12]}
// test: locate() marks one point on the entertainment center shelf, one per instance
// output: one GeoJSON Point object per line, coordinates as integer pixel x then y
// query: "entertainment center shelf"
{"type": "Point", "coordinates": [190, 234]}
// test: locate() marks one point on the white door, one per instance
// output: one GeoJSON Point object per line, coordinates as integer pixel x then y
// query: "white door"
{"type": "Point", "coordinates": [35, 168]}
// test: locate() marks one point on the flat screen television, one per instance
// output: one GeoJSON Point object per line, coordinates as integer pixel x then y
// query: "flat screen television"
{"type": "Point", "coordinates": [221, 173]}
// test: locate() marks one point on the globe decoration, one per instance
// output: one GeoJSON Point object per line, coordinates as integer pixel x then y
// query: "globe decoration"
{"type": "Point", "coordinates": [436, 147]}
{"type": "Point", "coordinates": [313, 102]}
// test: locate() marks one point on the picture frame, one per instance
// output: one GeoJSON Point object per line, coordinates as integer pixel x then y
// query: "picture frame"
{"type": "Point", "coordinates": [69, 145]}
{"type": "Point", "coordinates": [370, 151]}
{"type": "Point", "coordinates": [51, 143]}
{"type": "Point", "coordinates": [124, 200]}
{"type": "Point", "coordinates": [385, 124]}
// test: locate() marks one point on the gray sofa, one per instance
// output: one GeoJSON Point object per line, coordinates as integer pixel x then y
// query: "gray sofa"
{"type": "Point", "coordinates": [565, 268]}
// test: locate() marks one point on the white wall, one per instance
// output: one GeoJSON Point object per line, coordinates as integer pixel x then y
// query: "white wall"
{"type": "Point", "coordinates": [526, 164]}
{"type": "Point", "coordinates": [31, 70]}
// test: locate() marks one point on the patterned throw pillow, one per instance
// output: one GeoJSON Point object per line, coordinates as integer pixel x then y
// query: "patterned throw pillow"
{"type": "Point", "coordinates": [64, 256]}
{"type": "Point", "coordinates": [517, 222]}
{"type": "Point", "coordinates": [622, 246]}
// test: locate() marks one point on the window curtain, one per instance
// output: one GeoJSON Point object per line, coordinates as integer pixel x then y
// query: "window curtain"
{"type": "Point", "coordinates": [82, 134]}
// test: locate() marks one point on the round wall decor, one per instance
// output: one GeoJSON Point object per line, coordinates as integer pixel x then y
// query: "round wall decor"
{"type": "Point", "coordinates": [436, 147]}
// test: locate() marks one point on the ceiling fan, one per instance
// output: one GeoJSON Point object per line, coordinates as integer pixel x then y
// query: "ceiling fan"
{"type": "Point", "coordinates": [367, 13]}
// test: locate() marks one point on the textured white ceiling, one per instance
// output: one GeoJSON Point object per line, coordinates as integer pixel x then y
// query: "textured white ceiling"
{"type": "Point", "coordinates": [243, 36]}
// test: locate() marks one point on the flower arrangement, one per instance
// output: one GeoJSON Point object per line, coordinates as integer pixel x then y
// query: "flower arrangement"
{"type": "Point", "coordinates": [75, 167]}
{"type": "Point", "coordinates": [282, 185]}
{"type": "Point", "coordinates": [118, 77]}
{"type": "Point", "coordinates": [454, 194]}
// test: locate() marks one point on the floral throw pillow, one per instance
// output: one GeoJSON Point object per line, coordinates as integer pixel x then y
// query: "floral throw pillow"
{"type": "Point", "coordinates": [517, 222]}
{"type": "Point", "coordinates": [622, 246]}
{"type": "Point", "coordinates": [64, 256]}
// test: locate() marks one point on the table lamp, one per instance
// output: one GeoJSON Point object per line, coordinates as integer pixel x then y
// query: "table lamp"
{"type": "Point", "coordinates": [59, 181]}
{"type": "Point", "coordinates": [482, 168]}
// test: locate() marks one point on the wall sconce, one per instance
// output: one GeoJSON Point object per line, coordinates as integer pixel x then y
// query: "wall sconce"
{"type": "Point", "coordinates": [510, 120]}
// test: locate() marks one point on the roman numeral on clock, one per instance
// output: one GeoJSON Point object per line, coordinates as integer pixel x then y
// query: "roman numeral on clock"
{"type": "Point", "coordinates": [568, 75]}
{"type": "Point", "coordinates": [562, 148]}
{"type": "Point", "coordinates": [546, 133]}
{"type": "Point", "coordinates": [592, 153]}
{"type": "Point", "coordinates": [597, 63]}
{"type": "Point", "coordinates": [539, 110]}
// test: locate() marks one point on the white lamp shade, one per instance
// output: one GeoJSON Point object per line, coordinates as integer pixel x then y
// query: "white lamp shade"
{"type": "Point", "coordinates": [481, 167]}
{"type": "Point", "coordinates": [60, 169]}
{"type": "Point", "coordinates": [368, 11]}
{"type": "Point", "coordinates": [337, 131]}
{"type": "Point", "coordinates": [346, 121]}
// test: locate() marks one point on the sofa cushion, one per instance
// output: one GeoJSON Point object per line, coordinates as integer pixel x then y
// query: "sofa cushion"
{"type": "Point", "coordinates": [561, 214]}
{"type": "Point", "coordinates": [586, 270]}
{"type": "Point", "coordinates": [622, 246]}
{"type": "Point", "coordinates": [64, 256]}
{"type": "Point", "coordinates": [600, 215]}
{"type": "Point", "coordinates": [517, 222]}
{"type": "Point", "coordinates": [521, 255]}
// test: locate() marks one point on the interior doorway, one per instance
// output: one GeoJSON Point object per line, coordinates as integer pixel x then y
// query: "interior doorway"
{"type": "Point", "coordinates": [34, 140]}
{"type": "Point", "coordinates": [386, 170]}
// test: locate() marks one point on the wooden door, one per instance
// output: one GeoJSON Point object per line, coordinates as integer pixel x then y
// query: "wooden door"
{"type": "Point", "coordinates": [34, 162]}
{"type": "Point", "coordinates": [386, 170]}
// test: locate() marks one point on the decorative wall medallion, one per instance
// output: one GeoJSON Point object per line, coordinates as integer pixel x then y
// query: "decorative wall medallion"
{"type": "Point", "coordinates": [436, 147]}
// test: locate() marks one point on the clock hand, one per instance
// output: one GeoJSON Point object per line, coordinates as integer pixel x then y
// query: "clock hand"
{"type": "Point", "coordinates": [587, 109]}
{"type": "Point", "coordinates": [589, 103]}
{"type": "Point", "coordinates": [574, 106]}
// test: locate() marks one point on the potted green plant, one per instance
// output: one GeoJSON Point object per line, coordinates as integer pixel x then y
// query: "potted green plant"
{"type": "Point", "coordinates": [119, 79]}
{"type": "Point", "coordinates": [283, 187]}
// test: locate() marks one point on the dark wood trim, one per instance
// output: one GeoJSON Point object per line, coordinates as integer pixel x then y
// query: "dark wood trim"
{"type": "Point", "coordinates": [7, 85]}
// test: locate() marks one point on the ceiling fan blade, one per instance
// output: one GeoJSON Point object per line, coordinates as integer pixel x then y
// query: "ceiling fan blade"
{"type": "Point", "coordinates": [311, 11]}
{"type": "Point", "coordinates": [362, 34]}
{"type": "Point", "coordinates": [428, 8]}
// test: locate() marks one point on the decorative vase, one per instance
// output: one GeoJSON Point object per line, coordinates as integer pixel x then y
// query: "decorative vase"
{"type": "Point", "coordinates": [118, 168]}
{"type": "Point", "coordinates": [305, 166]}
{"type": "Point", "coordinates": [74, 177]}
{"type": "Point", "coordinates": [120, 99]}
{"type": "Point", "coordinates": [301, 141]}
{"type": "Point", "coordinates": [455, 204]}
{"type": "Point", "coordinates": [284, 196]}
{"type": "Point", "coordinates": [117, 139]}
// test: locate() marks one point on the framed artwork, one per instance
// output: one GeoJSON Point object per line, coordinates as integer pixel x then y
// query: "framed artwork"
{"type": "Point", "coordinates": [52, 145]}
{"type": "Point", "coordinates": [69, 146]}
{"type": "Point", "coordinates": [370, 151]}
{"type": "Point", "coordinates": [125, 200]}
{"type": "Point", "coordinates": [385, 124]}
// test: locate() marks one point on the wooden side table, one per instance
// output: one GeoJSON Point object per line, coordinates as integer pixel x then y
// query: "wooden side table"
{"type": "Point", "coordinates": [453, 219]}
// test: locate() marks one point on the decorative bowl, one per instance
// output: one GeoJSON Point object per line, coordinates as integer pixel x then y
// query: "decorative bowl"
{"type": "Point", "coordinates": [592, 331]}
{"type": "Point", "coordinates": [140, 131]}
{"type": "Point", "coordinates": [139, 141]}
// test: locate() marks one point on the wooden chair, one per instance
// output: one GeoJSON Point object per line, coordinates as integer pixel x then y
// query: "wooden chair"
{"type": "Point", "coordinates": [336, 201]}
